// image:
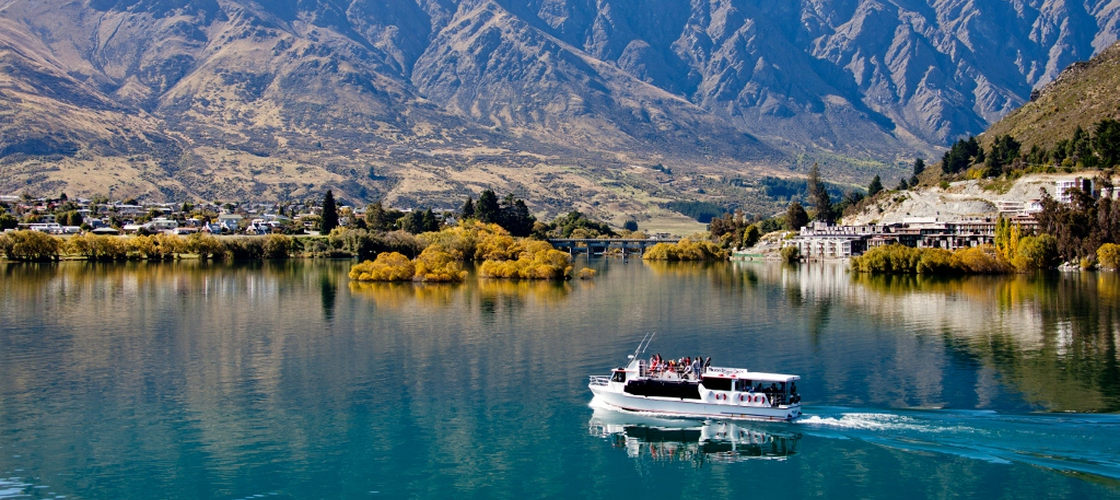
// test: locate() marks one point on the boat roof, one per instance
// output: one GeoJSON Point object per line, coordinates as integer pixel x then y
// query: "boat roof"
{"type": "Point", "coordinates": [737, 373]}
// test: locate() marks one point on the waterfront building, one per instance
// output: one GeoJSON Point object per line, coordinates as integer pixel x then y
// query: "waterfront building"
{"type": "Point", "coordinates": [824, 241]}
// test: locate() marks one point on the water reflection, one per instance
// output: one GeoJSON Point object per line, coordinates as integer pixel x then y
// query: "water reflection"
{"type": "Point", "coordinates": [1053, 336]}
{"type": "Point", "coordinates": [394, 296]}
{"type": "Point", "coordinates": [209, 379]}
{"type": "Point", "coordinates": [693, 441]}
{"type": "Point", "coordinates": [328, 290]}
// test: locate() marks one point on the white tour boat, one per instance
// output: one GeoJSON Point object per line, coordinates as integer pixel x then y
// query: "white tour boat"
{"type": "Point", "coordinates": [725, 393]}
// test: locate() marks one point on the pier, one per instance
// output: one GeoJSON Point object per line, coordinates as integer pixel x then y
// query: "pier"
{"type": "Point", "coordinates": [592, 246]}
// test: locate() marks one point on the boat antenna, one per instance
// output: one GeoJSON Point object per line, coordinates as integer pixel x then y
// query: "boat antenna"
{"type": "Point", "coordinates": [643, 345]}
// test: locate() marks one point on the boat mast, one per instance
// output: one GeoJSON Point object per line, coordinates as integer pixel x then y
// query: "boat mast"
{"type": "Point", "coordinates": [642, 346]}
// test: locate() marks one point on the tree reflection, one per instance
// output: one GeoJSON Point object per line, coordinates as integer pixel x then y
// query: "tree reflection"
{"type": "Point", "coordinates": [1054, 336]}
{"type": "Point", "coordinates": [327, 290]}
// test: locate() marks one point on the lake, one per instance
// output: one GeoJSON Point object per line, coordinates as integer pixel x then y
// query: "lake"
{"type": "Point", "coordinates": [284, 380]}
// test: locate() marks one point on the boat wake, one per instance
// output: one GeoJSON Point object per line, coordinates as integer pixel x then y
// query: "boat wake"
{"type": "Point", "coordinates": [1072, 443]}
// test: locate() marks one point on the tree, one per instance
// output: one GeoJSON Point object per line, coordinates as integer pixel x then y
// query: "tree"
{"type": "Point", "coordinates": [961, 156]}
{"type": "Point", "coordinates": [1081, 148]}
{"type": "Point", "coordinates": [30, 246]}
{"type": "Point", "coordinates": [875, 186]}
{"type": "Point", "coordinates": [515, 217]}
{"type": "Point", "coordinates": [413, 222]}
{"type": "Point", "coordinates": [790, 254]}
{"type": "Point", "coordinates": [1005, 149]}
{"type": "Point", "coordinates": [430, 221]}
{"type": "Point", "coordinates": [1108, 255]}
{"type": "Point", "coordinates": [565, 226]}
{"type": "Point", "coordinates": [378, 218]}
{"type": "Point", "coordinates": [330, 214]}
{"type": "Point", "coordinates": [819, 195]}
{"type": "Point", "coordinates": [468, 209]}
{"type": "Point", "coordinates": [7, 221]}
{"type": "Point", "coordinates": [630, 225]}
{"type": "Point", "coordinates": [919, 167]}
{"type": "Point", "coordinates": [902, 185]}
{"type": "Point", "coordinates": [70, 218]}
{"type": "Point", "coordinates": [1106, 140]}
{"type": "Point", "coordinates": [1036, 252]}
{"type": "Point", "coordinates": [487, 209]}
{"type": "Point", "coordinates": [796, 217]}
{"type": "Point", "coordinates": [751, 236]}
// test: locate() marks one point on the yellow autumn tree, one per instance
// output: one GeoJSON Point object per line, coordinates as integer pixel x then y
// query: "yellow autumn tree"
{"type": "Point", "coordinates": [982, 259]}
{"type": "Point", "coordinates": [437, 264]}
{"type": "Point", "coordinates": [388, 266]}
{"type": "Point", "coordinates": [497, 246]}
{"type": "Point", "coordinates": [534, 260]}
{"type": "Point", "coordinates": [1108, 255]}
{"type": "Point", "coordinates": [685, 249]}
{"type": "Point", "coordinates": [98, 247]}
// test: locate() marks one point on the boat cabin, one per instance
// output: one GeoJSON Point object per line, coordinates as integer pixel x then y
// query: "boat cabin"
{"type": "Point", "coordinates": [779, 388]}
{"type": "Point", "coordinates": [724, 384]}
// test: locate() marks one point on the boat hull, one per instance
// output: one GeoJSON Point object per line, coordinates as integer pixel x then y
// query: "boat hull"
{"type": "Point", "coordinates": [690, 408]}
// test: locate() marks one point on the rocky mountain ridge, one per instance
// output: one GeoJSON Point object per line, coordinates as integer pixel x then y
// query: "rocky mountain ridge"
{"type": "Point", "coordinates": [569, 103]}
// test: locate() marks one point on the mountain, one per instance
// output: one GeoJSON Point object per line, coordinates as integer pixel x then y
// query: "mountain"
{"type": "Point", "coordinates": [1082, 95]}
{"type": "Point", "coordinates": [608, 106]}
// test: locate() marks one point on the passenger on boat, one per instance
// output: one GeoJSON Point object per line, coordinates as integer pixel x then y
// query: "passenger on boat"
{"type": "Point", "coordinates": [696, 368]}
{"type": "Point", "coordinates": [772, 393]}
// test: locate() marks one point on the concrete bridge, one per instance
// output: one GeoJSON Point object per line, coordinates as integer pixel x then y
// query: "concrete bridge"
{"type": "Point", "coordinates": [593, 246]}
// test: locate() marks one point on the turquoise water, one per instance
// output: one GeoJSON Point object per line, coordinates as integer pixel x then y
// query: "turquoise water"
{"type": "Point", "coordinates": [188, 380]}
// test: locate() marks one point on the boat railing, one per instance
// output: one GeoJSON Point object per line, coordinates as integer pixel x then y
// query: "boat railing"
{"type": "Point", "coordinates": [599, 380]}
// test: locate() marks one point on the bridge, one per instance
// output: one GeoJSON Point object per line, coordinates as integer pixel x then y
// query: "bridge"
{"type": "Point", "coordinates": [592, 246]}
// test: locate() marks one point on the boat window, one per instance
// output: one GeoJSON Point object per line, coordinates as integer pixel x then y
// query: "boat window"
{"type": "Point", "coordinates": [717, 384]}
{"type": "Point", "coordinates": [618, 377]}
{"type": "Point", "coordinates": [742, 385]}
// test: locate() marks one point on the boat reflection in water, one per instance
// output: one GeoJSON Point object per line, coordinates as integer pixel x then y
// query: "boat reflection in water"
{"type": "Point", "coordinates": [696, 441]}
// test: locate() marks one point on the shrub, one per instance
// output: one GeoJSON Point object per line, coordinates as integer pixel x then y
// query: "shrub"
{"type": "Point", "coordinates": [1108, 255]}
{"type": "Point", "coordinates": [790, 254]}
{"type": "Point", "coordinates": [1036, 252]}
{"type": "Point", "coordinates": [935, 261]}
{"type": "Point", "coordinates": [30, 245]}
{"type": "Point", "coordinates": [107, 248]}
{"type": "Point", "coordinates": [496, 246]}
{"type": "Point", "coordinates": [899, 259]}
{"type": "Point", "coordinates": [155, 247]}
{"type": "Point", "coordinates": [436, 264]}
{"type": "Point", "coordinates": [686, 249]}
{"type": "Point", "coordinates": [206, 246]}
{"type": "Point", "coordinates": [277, 246]}
{"type": "Point", "coordinates": [244, 248]}
{"type": "Point", "coordinates": [751, 235]}
{"type": "Point", "coordinates": [389, 266]}
{"type": "Point", "coordinates": [169, 245]}
{"type": "Point", "coordinates": [586, 273]}
{"type": "Point", "coordinates": [535, 260]}
{"type": "Point", "coordinates": [983, 259]}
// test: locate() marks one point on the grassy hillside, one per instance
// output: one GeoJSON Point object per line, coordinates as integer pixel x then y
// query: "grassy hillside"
{"type": "Point", "coordinates": [1084, 94]}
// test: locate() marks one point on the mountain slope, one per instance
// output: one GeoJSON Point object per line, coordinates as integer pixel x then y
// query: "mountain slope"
{"type": "Point", "coordinates": [1082, 95]}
